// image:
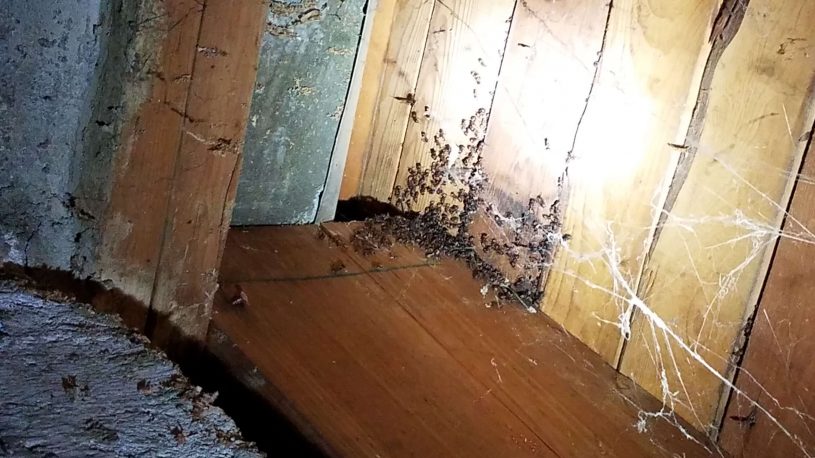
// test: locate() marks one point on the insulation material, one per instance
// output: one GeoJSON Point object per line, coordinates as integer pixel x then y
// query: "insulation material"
{"type": "Point", "coordinates": [75, 383]}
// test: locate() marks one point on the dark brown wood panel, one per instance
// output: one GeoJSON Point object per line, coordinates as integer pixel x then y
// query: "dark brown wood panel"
{"type": "Point", "coordinates": [778, 368]}
{"type": "Point", "coordinates": [400, 357]}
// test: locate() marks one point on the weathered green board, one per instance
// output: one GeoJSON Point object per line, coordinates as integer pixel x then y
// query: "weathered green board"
{"type": "Point", "coordinates": [305, 67]}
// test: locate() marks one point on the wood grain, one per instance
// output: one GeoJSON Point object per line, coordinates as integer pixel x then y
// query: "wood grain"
{"type": "Point", "coordinates": [133, 226]}
{"type": "Point", "coordinates": [407, 361]}
{"type": "Point", "coordinates": [385, 132]}
{"type": "Point", "coordinates": [458, 75]}
{"type": "Point", "coordinates": [711, 257]}
{"type": "Point", "coordinates": [777, 364]}
{"type": "Point", "coordinates": [546, 75]}
{"type": "Point", "coordinates": [642, 100]}
{"type": "Point", "coordinates": [372, 76]}
{"type": "Point", "coordinates": [207, 167]}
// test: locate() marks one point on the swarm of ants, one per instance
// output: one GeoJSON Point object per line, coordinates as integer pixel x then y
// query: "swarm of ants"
{"type": "Point", "coordinates": [436, 209]}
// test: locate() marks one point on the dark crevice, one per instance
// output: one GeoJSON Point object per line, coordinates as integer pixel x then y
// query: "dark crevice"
{"type": "Point", "coordinates": [258, 420]}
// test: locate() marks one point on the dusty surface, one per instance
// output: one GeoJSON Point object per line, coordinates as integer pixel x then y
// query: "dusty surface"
{"type": "Point", "coordinates": [75, 383]}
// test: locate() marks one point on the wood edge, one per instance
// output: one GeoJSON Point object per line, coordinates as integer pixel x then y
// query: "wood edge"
{"type": "Point", "coordinates": [333, 183]}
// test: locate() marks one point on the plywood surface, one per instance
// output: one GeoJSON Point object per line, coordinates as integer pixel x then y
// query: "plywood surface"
{"type": "Point", "coordinates": [457, 79]}
{"type": "Point", "coordinates": [710, 259]}
{"type": "Point", "coordinates": [398, 357]}
{"type": "Point", "coordinates": [546, 76]}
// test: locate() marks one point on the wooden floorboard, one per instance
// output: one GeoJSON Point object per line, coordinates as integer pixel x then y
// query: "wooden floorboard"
{"type": "Point", "coordinates": [394, 355]}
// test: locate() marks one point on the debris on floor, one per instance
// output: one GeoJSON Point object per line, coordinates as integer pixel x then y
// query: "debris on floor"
{"type": "Point", "coordinates": [77, 383]}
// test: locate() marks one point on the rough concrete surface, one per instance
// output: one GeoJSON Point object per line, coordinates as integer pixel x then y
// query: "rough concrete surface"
{"type": "Point", "coordinates": [70, 72]}
{"type": "Point", "coordinates": [306, 61]}
{"type": "Point", "coordinates": [75, 383]}
{"type": "Point", "coordinates": [48, 51]}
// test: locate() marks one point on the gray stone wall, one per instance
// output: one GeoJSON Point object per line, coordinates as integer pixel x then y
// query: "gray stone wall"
{"type": "Point", "coordinates": [304, 71]}
{"type": "Point", "coordinates": [71, 72]}
{"type": "Point", "coordinates": [48, 54]}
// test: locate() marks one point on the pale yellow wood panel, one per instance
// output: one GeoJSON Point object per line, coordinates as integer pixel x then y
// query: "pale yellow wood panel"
{"type": "Point", "coordinates": [545, 78]}
{"type": "Point", "coordinates": [458, 74]}
{"type": "Point", "coordinates": [642, 101]}
{"type": "Point", "coordinates": [386, 129]}
{"type": "Point", "coordinates": [711, 257]}
{"type": "Point", "coordinates": [369, 94]}
{"type": "Point", "coordinates": [546, 75]}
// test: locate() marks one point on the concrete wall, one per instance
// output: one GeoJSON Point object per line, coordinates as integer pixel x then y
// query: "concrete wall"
{"type": "Point", "coordinates": [303, 76]}
{"type": "Point", "coordinates": [48, 54]}
{"type": "Point", "coordinates": [70, 70]}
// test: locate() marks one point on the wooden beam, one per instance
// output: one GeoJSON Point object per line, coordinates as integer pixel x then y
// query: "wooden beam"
{"type": "Point", "coordinates": [458, 76]}
{"type": "Point", "coordinates": [406, 46]}
{"type": "Point", "coordinates": [641, 102]}
{"type": "Point", "coordinates": [133, 226]}
{"type": "Point", "coordinates": [712, 252]}
{"type": "Point", "coordinates": [207, 167]}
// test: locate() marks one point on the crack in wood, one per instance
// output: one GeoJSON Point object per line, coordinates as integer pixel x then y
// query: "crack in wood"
{"type": "Point", "coordinates": [725, 27]}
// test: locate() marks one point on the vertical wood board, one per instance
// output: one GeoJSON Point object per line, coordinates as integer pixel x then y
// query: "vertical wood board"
{"type": "Point", "coordinates": [465, 47]}
{"type": "Point", "coordinates": [710, 259]}
{"type": "Point", "coordinates": [207, 167]}
{"type": "Point", "coordinates": [133, 226]}
{"type": "Point", "coordinates": [647, 82]}
{"type": "Point", "coordinates": [778, 369]}
{"type": "Point", "coordinates": [386, 131]}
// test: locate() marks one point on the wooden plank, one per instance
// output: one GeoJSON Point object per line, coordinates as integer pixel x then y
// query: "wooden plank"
{"type": "Point", "coordinates": [575, 403]}
{"type": "Point", "coordinates": [133, 226]}
{"type": "Point", "coordinates": [458, 77]}
{"type": "Point", "coordinates": [406, 46]}
{"type": "Point", "coordinates": [318, 255]}
{"type": "Point", "coordinates": [368, 378]}
{"type": "Point", "coordinates": [546, 75]}
{"type": "Point", "coordinates": [777, 370]}
{"type": "Point", "coordinates": [342, 144]}
{"type": "Point", "coordinates": [207, 167]}
{"type": "Point", "coordinates": [372, 75]}
{"type": "Point", "coordinates": [710, 259]}
{"type": "Point", "coordinates": [642, 100]}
